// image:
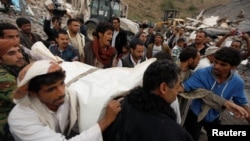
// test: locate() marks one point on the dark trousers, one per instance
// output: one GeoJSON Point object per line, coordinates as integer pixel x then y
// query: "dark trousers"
{"type": "Point", "coordinates": [194, 127]}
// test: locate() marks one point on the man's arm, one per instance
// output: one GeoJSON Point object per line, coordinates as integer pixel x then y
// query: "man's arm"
{"type": "Point", "coordinates": [247, 52]}
{"type": "Point", "coordinates": [113, 108]}
{"type": "Point", "coordinates": [247, 108]}
{"type": "Point", "coordinates": [47, 20]}
{"type": "Point", "coordinates": [217, 102]}
{"type": "Point", "coordinates": [219, 43]}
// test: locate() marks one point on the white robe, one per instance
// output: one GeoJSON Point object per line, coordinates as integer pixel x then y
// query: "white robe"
{"type": "Point", "coordinates": [30, 120]}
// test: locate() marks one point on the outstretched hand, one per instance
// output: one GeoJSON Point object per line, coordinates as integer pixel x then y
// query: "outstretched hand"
{"type": "Point", "coordinates": [238, 111]}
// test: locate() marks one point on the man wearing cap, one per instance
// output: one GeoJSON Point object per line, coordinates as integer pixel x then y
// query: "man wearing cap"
{"type": "Point", "coordinates": [208, 58]}
{"type": "Point", "coordinates": [11, 62]}
{"type": "Point", "coordinates": [47, 110]}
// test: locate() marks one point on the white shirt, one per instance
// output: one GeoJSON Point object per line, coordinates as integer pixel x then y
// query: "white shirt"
{"type": "Point", "coordinates": [176, 107]}
{"type": "Point", "coordinates": [26, 124]}
{"type": "Point", "coordinates": [114, 37]}
{"type": "Point", "coordinates": [156, 49]}
{"type": "Point", "coordinates": [204, 62]}
{"type": "Point", "coordinates": [119, 64]}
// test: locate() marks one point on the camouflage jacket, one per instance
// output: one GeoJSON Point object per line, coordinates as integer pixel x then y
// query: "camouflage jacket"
{"type": "Point", "coordinates": [7, 86]}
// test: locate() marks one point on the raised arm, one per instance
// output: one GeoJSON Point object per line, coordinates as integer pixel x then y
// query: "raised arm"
{"type": "Point", "coordinates": [220, 42]}
{"type": "Point", "coordinates": [247, 52]}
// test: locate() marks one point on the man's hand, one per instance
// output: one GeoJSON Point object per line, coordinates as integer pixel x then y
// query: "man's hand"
{"type": "Point", "coordinates": [245, 36]}
{"type": "Point", "coordinates": [238, 111]}
{"type": "Point", "coordinates": [231, 33]}
{"type": "Point", "coordinates": [50, 7]}
{"type": "Point", "coordinates": [113, 108]}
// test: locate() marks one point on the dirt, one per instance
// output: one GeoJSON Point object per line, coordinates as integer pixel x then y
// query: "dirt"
{"type": "Point", "coordinates": [230, 10]}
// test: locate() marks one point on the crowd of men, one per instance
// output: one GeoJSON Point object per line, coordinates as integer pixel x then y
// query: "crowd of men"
{"type": "Point", "coordinates": [36, 104]}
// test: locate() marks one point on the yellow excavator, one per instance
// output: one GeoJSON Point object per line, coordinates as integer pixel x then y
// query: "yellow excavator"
{"type": "Point", "coordinates": [170, 18]}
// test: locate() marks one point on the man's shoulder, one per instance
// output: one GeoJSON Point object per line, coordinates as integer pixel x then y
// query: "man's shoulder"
{"type": "Point", "coordinates": [22, 112]}
{"type": "Point", "coordinates": [4, 73]}
{"type": "Point", "coordinates": [206, 69]}
{"type": "Point", "coordinates": [125, 56]}
{"type": "Point", "coordinates": [8, 81]}
{"type": "Point", "coordinates": [122, 31]}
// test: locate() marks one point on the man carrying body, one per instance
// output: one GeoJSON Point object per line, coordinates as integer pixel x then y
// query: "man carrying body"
{"type": "Point", "coordinates": [47, 110]}
{"type": "Point", "coordinates": [11, 62]}
{"type": "Point", "coordinates": [10, 31]}
{"type": "Point", "coordinates": [221, 79]}
{"type": "Point", "coordinates": [146, 112]}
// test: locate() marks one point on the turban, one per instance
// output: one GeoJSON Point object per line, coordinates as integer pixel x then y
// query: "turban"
{"type": "Point", "coordinates": [5, 45]}
{"type": "Point", "coordinates": [31, 71]}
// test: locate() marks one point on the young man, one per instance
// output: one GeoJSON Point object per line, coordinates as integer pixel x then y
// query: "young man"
{"type": "Point", "coordinates": [99, 52]}
{"type": "Point", "coordinates": [11, 62]}
{"type": "Point", "coordinates": [76, 39]}
{"type": "Point", "coordinates": [62, 47]}
{"type": "Point", "coordinates": [221, 79]}
{"type": "Point", "coordinates": [157, 46]}
{"type": "Point", "coordinates": [176, 50]}
{"type": "Point", "coordinates": [135, 56]}
{"type": "Point", "coordinates": [146, 112]}
{"type": "Point", "coordinates": [46, 110]}
{"type": "Point", "coordinates": [10, 31]}
{"type": "Point", "coordinates": [28, 38]}
{"type": "Point", "coordinates": [119, 39]}
{"type": "Point", "coordinates": [200, 41]}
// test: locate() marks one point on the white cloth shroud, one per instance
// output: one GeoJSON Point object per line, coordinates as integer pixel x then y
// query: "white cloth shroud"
{"type": "Point", "coordinates": [96, 87]}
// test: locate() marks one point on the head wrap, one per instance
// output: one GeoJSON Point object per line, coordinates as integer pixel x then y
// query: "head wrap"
{"type": "Point", "coordinates": [31, 71]}
{"type": "Point", "coordinates": [5, 45]}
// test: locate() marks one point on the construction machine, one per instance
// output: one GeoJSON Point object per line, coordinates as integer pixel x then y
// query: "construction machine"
{"type": "Point", "coordinates": [95, 11]}
{"type": "Point", "coordinates": [170, 18]}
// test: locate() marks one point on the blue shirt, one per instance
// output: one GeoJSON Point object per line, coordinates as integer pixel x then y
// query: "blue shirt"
{"type": "Point", "coordinates": [231, 89]}
{"type": "Point", "coordinates": [69, 54]}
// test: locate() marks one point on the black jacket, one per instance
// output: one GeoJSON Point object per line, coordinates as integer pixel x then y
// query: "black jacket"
{"type": "Point", "coordinates": [145, 117]}
{"type": "Point", "coordinates": [121, 41]}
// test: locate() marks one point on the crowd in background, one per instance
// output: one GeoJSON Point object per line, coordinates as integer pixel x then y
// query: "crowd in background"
{"type": "Point", "coordinates": [213, 59]}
